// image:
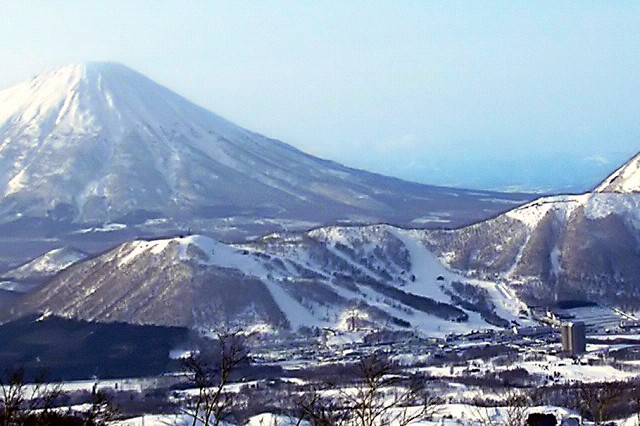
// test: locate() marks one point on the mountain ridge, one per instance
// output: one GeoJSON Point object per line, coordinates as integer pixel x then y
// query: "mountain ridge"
{"type": "Point", "coordinates": [625, 179]}
{"type": "Point", "coordinates": [97, 141]}
{"type": "Point", "coordinates": [290, 282]}
{"type": "Point", "coordinates": [561, 247]}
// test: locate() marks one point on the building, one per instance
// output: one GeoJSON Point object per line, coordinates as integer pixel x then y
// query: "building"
{"type": "Point", "coordinates": [532, 331]}
{"type": "Point", "coordinates": [573, 338]}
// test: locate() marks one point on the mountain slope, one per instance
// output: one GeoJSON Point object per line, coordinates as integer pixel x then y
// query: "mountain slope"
{"type": "Point", "coordinates": [328, 277]}
{"type": "Point", "coordinates": [100, 142]}
{"type": "Point", "coordinates": [625, 180]}
{"type": "Point", "coordinates": [149, 282]}
{"type": "Point", "coordinates": [583, 247]}
{"type": "Point", "coordinates": [45, 266]}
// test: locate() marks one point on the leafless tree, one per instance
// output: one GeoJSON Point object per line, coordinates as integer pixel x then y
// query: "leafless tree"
{"type": "Point", "coordinates": [513, 403]}
{"type": "Point", "coordinates": [484, 417]}
{"type": "Point", "coordinates": [319, 410]}
{"type": "Point", "coordinates": [13, 398]}
{"type": "Point", "coordinates": [598, 398]}
{"type": "Point", "coordinates": [516, 402]}
{"type": "Point", "coordinates": [102, 410]}
{"type": "Point", "coordinates": [17, 400]}
{"type": "Point", "coordinates": [380, 397]}
{"type": "Point", "coordinates": [210, 373]}
{"type": "Point", "coordinates": [637, 401]}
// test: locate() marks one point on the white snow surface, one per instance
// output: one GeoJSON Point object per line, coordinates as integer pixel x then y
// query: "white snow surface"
{"type": "Point", "coordinates": [70, 131]}
{"type": "Point", "coordinates": [47, 264]}
{"type": "Point", "coordinates": [297, 314]}
{"type": "Point", "coordinates": [285, 264]}
{"type": "Point", "coordinates": [427, 268]}
{"type": "Point", "coordinates": [625, 180]}
{"type": "Point", "coordinates": [219, 254]}
{"type": "Point", "coordinates": [101, 140]}
{"type": "Point", "coordinates": [595, 205]}
{"type": "Point", "coordinates": [15, 287]}
{"type": "Point", "coordinates": [452, 414]}
{"type": "Point", "coordinates": [532, 213]}
{"type": "Point", "coordinates": [209, 252]}
{"type": "Point", "coordinates": [79, 97]}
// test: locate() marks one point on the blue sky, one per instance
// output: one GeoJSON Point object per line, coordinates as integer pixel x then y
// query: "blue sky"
{"type": "Point", "coordinates": [533, 95]}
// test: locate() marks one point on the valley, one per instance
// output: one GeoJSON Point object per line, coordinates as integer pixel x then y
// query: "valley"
{"type": "Point", "coordinates": [479, 378]}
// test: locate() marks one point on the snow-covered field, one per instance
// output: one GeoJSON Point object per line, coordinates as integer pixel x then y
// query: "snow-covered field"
{"type": "Point", "coordinates": [470, 376]}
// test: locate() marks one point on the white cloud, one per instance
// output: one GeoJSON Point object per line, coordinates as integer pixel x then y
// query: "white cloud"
{"type": "Point", "coordinates": [597, 159]}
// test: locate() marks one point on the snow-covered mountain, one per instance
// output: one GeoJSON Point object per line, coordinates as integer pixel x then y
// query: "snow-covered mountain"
{"type": "Point", "coordinates": [584, 247]}
{"type": "Point", "coordinates": [567, 247]}
{"type": "Point", "coordinates": [99, 142]}
{"type": "Point", "coordinates": [625, 180]}
{"type": "Point", "coordinates": [45, 266]}
{"type": "Point", "coordinates": [339, 277]}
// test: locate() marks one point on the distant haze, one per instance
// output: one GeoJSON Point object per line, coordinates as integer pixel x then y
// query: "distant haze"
{"type": "Point", "coordinates": [497, 95]}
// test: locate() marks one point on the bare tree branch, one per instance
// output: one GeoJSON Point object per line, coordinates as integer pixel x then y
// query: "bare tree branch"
{"type": "Point", "coordinates": [210, 373]}
{"type": "Point", "coordinates": [380, 397]}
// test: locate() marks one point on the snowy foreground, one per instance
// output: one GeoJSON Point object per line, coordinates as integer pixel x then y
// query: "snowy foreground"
{"type": "Point", "coordinates": [447, 414]}
{"type": "Point", "coordinates": [499, 378]}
